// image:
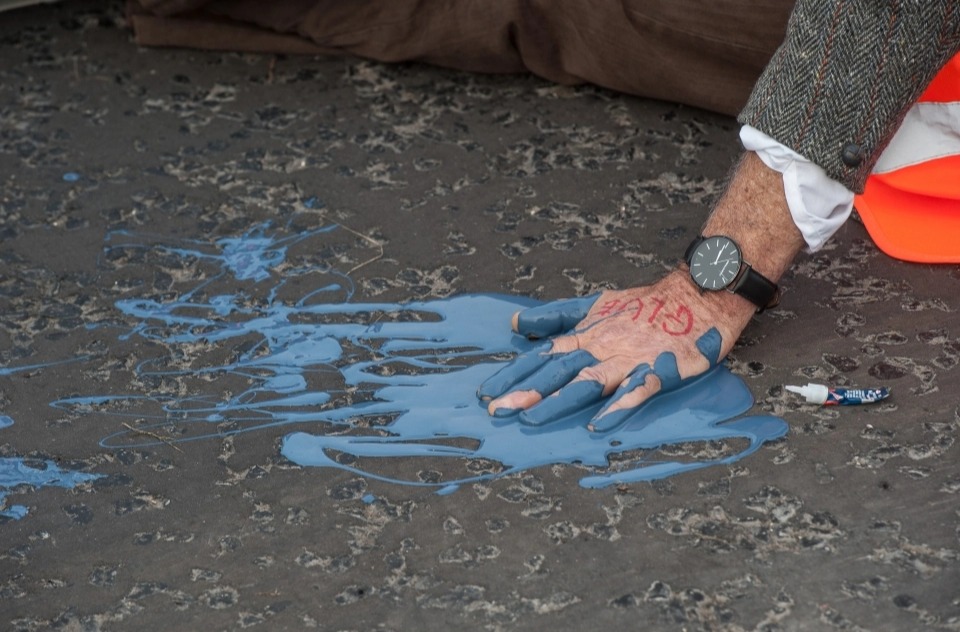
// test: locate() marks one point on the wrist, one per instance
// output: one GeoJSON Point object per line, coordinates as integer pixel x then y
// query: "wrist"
{"type": "Point", "coordinates": [753, 212]}
{"type": "Point", "coordinates": [716, 263]}
{"type": "Point", "coordinates": [727, 307]}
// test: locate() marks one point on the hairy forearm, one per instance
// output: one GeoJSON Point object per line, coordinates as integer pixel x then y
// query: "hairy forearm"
{"type": "Point", "coordinates": [753, 211]}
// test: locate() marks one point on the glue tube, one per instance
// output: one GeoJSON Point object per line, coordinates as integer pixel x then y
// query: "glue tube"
{"type": "Point", "coordinates": [820, 394]}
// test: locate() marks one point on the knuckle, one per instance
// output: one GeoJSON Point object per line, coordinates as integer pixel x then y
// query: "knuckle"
{"type": "Point", "coordinates": [594, 373]}
{"type": "Point", "coordinates": [564, 344]}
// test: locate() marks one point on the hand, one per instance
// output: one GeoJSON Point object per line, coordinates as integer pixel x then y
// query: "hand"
{"type": "Point", "coordinates": [631, 343]}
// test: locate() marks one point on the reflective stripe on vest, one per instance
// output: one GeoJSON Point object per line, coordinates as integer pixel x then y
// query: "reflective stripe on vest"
{"type": "Point", "coordinates": [931, 129]}
{"type": "Point", "coordinates": [911, 203]}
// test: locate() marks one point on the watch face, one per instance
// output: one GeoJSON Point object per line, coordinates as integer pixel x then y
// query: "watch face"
{"type": "Point", "coordinates": [715, 263]}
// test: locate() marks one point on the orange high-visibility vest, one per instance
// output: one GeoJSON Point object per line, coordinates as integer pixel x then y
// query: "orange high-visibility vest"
{"type": "Point", "coordinates": [911, 204]}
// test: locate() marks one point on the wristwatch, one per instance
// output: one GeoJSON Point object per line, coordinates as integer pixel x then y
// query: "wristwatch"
{"type": "Point", "coordinates": [716, 263]}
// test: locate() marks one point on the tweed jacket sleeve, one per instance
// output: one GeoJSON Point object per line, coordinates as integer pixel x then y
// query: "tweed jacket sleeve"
{"type": "Point", "coordinates": [839, 86]}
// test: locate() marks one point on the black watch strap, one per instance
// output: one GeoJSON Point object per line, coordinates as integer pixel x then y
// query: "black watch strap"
{"type": "Point", "coordinates": [756, 288]}
{"type": "Point", "coordinates": [748, 283]}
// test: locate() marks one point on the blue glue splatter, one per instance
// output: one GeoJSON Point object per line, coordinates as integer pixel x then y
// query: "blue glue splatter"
{"type": "Point", "coordinates": [16, 472]}
{"type": "Point", "coordinates": [404, 377]}
{"type": "Point", "coordinates": [430, 414]}
{"type": "Point", "coordinates": [10, 370]}
{"type": "Point", "coordinates": [71, 176]}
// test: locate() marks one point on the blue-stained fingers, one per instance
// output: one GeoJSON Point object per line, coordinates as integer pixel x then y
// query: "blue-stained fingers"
{"type": "Point", "coordinates": [515, 371]}
{"type": "Point", "coordinates": [607, 419]}
{"type": "Point", "coordinates": [556, 373]}
{"type": "Point", "coordinates": [555, 317]}
{"type": "Point", "coordinates": [567, 400]}
{"type": "Point", "coordinates": [664, 367]}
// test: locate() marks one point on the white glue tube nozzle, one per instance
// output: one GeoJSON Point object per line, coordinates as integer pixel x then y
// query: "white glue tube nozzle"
{"type": "Point", "coordinates": [815, 393]}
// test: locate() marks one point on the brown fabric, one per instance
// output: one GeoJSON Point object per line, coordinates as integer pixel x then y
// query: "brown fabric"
{"type": "Point", "coordinates": [209, 32]}
{"type": "Point", "coordinates": [167, 8]}
{"type": "Point", "coordinates": [706, 54]}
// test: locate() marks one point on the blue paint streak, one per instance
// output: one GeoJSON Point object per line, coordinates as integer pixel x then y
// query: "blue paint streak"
{"type": "Point", "coordinates": [16, 472]}
{"type": "Point", "coordinates": [417, 377]}
{"type": "Point", "coordinates": [10, 370]}
{"type": "Point", "coordinates": [71, 176]}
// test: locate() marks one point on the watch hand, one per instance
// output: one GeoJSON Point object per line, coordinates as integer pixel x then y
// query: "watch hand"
{"type": "Point", "coordinates": [722, 248]}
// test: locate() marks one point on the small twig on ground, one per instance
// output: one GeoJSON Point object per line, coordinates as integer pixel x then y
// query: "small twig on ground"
{"type": "Point", "coordinates": [369, 240]}
{"type": "Point", "coordinates": [153, 435]}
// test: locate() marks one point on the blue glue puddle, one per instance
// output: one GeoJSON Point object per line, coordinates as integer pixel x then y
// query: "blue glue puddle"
{"type": "Point", "coordinates": [382, 382]}
{"type": "Point", "coordinates": [16, 472]}
{"type": "Point", "coordinates": [445, 407]}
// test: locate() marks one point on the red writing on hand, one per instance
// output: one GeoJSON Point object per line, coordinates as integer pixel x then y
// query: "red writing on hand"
{"type": "Point", "coordinates": [678, 323]}
{"type": "Point", "coordinates": [616, 306]}
{"type": "Point", "coordinates": [610, 307]}
{"type": "Point", "coordinates": [656, 310]}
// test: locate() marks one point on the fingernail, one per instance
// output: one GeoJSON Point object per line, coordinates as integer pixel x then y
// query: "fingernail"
{"type": "Point", "coordinates": [610, 420]}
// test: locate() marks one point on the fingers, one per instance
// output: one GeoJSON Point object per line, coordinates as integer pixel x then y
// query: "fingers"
{"type": "Point", "coordinates": [552, 318]}
{"type": "Point", "coordinates": [642, 384]}
{"type": "Point", "coordinates": [552, 375]}
{"type": "Point", "coordinates": [515, 371]}
{"type": "Point", "coordinates": [588, 387]}
{"type": "Point", "coordinates": [646, 381]}
{"type": "Point", "coordinates": [556, 380]}
{"type": "Point", "coordinates": [571, 398]}
{"type": "Point", "coordinates": [613, 413]}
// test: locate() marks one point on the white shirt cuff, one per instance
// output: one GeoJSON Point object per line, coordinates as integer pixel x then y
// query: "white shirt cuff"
{"type": "Point", "coordinates": [819, 205]}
